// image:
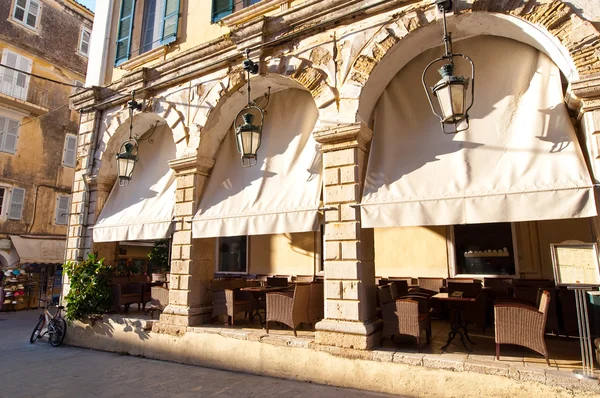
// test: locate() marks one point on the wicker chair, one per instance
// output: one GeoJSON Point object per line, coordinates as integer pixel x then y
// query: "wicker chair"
{"type": "Point", "coordinates": [403, 316]}
{"type": "Point", "coordinates": [277, 281]}
{"type": "Point", "coordinates": [431, 285]}
{"type": "Point", "coordinates": [522, 325]}
{"type": "Point", "coordinates": [316, 303]}
{"type": "Point", "coordinates": [159, 299]}
{"type": "Point", "coordinates": [231, 302]}
{"type": "Point", "coordinates": [289, 309]}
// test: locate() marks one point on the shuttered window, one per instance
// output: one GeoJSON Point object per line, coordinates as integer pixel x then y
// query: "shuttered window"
{"type": "Point", "coordinates": [124, 32]}
{"type": "Point", "coordinates": [170, 21]}
{"type": "Point", "coordinates": [84, 42]}
{"type": "Point", "coordinates": [27, 12]}
{"type": "Point", "coordinates": [2, 197]}
{"type": "Point", "coordinates": [12, 82]}
{"type": "Point", "coordinates": [70, 150]}
{"type": "Point", "coordinates": [17, 199]}
{"type": "Point", "coordinates": [9, 132]}
{"type": "Point", "coordinates": [61, 215]}
{"type": "Point", "coordinates": [221, 8]}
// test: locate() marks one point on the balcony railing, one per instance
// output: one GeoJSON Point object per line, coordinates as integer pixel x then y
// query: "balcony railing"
{"type": "Point", "coordinates": [25, 88]}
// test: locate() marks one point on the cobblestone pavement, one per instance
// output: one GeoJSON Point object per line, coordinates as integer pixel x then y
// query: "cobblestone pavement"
{"type": "Point", "coordinates": [40, 370]}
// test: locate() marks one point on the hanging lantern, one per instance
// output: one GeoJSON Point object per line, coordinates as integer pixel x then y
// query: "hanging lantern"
{"type": "Point", "coordinates": [128, 153]}
{"type": "Point", "coordinates": [451, 90]}
{"type": "Point", "coordinates": [126, 159]}
{"type": "Point", "coordinates": [248, 135]}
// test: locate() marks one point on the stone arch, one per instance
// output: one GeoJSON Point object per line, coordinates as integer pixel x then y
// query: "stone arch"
{"type": "Point", "coordinates": [552, 27]}
{"type": "Point", "coordinates": [220, 101]}
{"type": "Point", "coordinates": [116, 129]}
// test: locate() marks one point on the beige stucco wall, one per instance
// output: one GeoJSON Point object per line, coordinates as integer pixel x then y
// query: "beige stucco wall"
{"type": "Point", "coordinates": [282, 254]}
{"type": "Point", "coordinates": [411, 251]}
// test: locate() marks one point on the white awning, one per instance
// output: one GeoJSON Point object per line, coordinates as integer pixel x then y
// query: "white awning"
{"type": "Point", "coordinates": [520, 159]}
{"type": "Point", "coordinates": [143, 209]}
{"type": "Point", "coordinates": [281, 193]}
{"type": "Point", "coordinates": [9, 258]}
{"type": "Point", "coordinates": [40, 250]}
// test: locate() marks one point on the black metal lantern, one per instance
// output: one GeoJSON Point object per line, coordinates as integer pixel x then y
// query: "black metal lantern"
{"type": "Point", "coordinates": [451, 90]}
{"type": "Point", "coordinates": [248, 135]}
{"type": "Point", "coordinates": [128, 152]}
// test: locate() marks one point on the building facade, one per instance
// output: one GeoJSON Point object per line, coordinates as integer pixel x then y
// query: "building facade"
{"type": "Point", "coordinates": [354, 178]}
{"type": "Point", "coordinates": [40, 41]}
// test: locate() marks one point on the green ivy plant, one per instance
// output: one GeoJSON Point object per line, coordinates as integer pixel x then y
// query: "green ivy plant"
{"type": "Point", "coordinates": [89, 293]}
{"type": "Point", "coordinates": [159, 255]}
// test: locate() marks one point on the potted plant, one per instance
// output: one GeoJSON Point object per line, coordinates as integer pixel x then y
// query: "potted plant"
{"type": "Point", "coordinates": [159, 258]}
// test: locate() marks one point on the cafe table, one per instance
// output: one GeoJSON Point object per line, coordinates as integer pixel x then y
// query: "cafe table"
{"type": "Point", "coordinates": [456, 304]}
{"type": "Point", "coordinates": [258, 292]}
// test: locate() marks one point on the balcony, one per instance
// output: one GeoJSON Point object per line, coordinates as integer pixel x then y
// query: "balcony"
{"type": "Point", "coordinates": [23, 92]}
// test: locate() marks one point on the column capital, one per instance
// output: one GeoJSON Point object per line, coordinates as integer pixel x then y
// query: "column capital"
{"type": "Point", "coordinates": [343, 136]}
{"type": "Point", "coordinates": [192, 165]}
{"type": "Point", "coordinates": [584, 95]}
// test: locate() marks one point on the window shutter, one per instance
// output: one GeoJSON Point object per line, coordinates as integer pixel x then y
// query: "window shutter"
{"type": "Point", "coordinates": [62, 210]}
{"type": "Point", "coordinates": [221, 8]}
{"type": "Point", "coordinates": [125, 28]}
{"type": "Point", "coordinates": [10, 136]}
{"type": "Point", "coordinates": [170, 21]}
{"type": "Point", "coordinates": [17, 198]}
{"type": "Point", "coordinates": [32, 13]}
{"type": "Point", "coordinates": [84, 47]}
{"type": "Point", "coordinates": [70, 151]}
{"type": "Point", "coordinates": [20, 7]}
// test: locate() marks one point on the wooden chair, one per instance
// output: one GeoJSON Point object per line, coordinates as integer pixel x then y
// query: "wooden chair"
{"type": "Point", "coordinates": [403, 316]}
{"type": "Point", "coordinates": [523, 325]}
{"type": "Point", "coordinates": [289, 309]}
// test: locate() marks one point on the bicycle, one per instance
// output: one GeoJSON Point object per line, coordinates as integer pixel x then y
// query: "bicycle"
{"type": "Point", "coordinates": [56, 326]}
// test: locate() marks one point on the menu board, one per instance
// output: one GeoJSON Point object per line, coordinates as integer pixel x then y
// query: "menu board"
{"type": "Point", "coordinates": [575, 263]}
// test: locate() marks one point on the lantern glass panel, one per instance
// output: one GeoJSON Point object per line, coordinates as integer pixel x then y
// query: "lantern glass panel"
{"type": "Point", "coordinates": [125, 167]}
{"type": "Point", "coordinates": [248, 142]}
{"type": "Point", "coordinates": [451, 97]}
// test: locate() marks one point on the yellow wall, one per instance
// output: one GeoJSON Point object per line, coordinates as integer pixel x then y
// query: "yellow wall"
{"type": "Point", "coordinates": [411, 251]}
{"type": "Point", "coordinates": [282, 254]}
{"type": "Point", "coordinates": [557, 231]}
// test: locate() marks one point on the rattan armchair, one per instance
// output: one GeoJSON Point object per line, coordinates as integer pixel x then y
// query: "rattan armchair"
{"type": "Point", "coordinates": [287, 308]}
{"type": "Point", "coordinates": [159, 299]}
{"type": "Point", "coordinates": [405, 316]}
{"type": "Point", "coordinates": [316, 303]}
{"type": "Point", "coordinates": [231, 302]}
{"type": "Point", "coordinates": [523, 325]}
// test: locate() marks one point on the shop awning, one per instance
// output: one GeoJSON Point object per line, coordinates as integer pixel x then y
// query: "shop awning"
{"type": "Point", "coordinates": [41, 250]}
{"type": "Point", "coordinates": [143, 209]}
{"type": "Point", "coordinates": [520, 160]}
{"type": "Point", "coordinates": [281, 193]}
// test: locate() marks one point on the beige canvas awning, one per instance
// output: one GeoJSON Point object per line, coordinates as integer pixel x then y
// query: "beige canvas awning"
{"type": "Point", "coordinates": [40, 250]}
{"type": "Point", "coordinates": [520, 159]}
{"type": "Point", "coordinates": [143, 209]}
{"type": "Point", "coordinates": [282, 192]}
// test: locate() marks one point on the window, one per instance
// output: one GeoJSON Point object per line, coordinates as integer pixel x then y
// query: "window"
{"type": "Point", "coordinates": [232, 256]}
{"type": "Point", "coordinates": [12, 82]}
{"type": "Point", "coordinates": [17, 198]}
{"type": "Point", "coordinates": [484, 249]}
{"type": "Point", "coordinates": [222, 8]}
{"type": "Point", "coordinates": [63, 203]}
{"type": "Point", "coordinates": [2, 197]}
{"type": "Point", "coordinates": [9, 132]}
{"type": "Point", "coordinates": [27, 12]}
{"type": "Point", "coordinates": [70, 150]}
{"type": "Point", "coordinates": [159, 27]}
{"type": "Point", "coordinates": [84, 42]}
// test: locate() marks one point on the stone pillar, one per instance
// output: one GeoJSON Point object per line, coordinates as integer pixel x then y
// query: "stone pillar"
{"type": "Point", "coordinates": [350, 313]}
{"type": "Point", "coordinates": [190, 302]}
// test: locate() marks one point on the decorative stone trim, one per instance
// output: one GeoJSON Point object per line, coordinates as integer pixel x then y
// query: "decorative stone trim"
{"type": "Point", "coordinates": [342, 136]}
{"type": "Point", "coordinates": [148, 56]}
{"type": "Point", "coordinates": [252, 12]}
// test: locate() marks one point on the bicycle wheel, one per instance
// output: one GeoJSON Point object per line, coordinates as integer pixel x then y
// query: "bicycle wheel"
{"type": "Point", "coordinates": [59, 333]}
{"type": "Point", "coordinates": [37, 331]}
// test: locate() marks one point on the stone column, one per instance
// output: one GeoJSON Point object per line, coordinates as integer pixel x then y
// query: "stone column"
{"type": "Point", "coordinates": [190, 301]}
{"type": "Point", "coordinates": [350, 314]}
